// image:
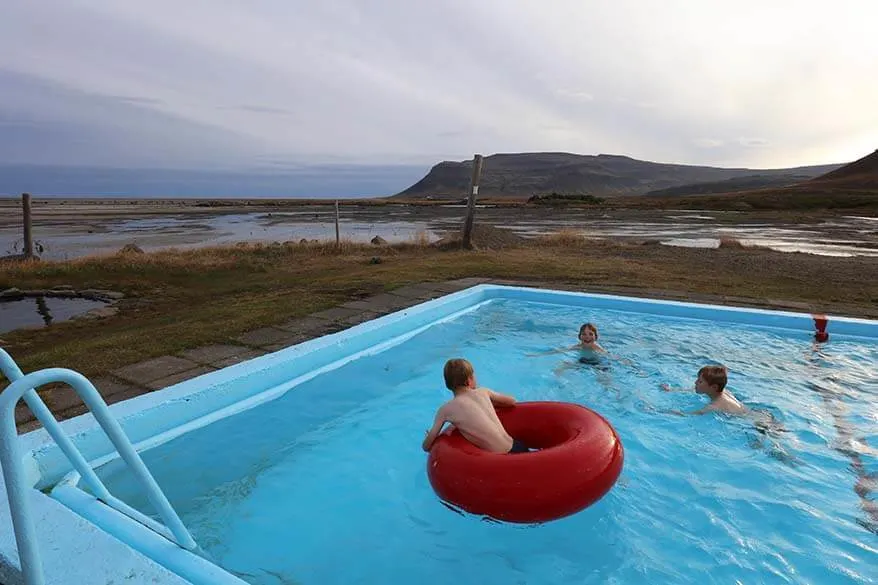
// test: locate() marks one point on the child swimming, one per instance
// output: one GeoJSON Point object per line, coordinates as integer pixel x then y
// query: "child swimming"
{"type": "Point", "coordinates": [711, 382]}
{"type": "Point", "coordinates": [588, 342]}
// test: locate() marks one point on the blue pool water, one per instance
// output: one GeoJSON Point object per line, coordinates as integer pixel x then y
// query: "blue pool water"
{"type": "Point", "coordinates": [327, 484]}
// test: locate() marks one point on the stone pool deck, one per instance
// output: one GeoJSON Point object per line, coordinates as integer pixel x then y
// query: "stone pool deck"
{"type": "Point", "coordinates": [161, 372]}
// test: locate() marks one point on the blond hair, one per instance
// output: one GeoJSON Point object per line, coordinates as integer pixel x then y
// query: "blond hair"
{"type": "Point", "coordinates": [457, 373]}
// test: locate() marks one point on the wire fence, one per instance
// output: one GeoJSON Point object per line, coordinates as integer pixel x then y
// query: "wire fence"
{"type": "Point", "coordinates": [63, 237]}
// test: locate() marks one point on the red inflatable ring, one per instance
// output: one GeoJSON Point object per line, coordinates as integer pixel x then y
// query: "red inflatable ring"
{"type": "Point", "coordinates": [579, 460]}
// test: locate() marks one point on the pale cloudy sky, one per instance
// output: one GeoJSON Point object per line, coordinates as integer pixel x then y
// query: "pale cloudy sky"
{"type": "Point", "coordinates": [227, 83]}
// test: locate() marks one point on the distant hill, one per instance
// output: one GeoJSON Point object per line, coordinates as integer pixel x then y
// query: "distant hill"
{"type": "Point", "coordinates": [527, 174]}
{"type": "Point", "coordinates": [860, 174]}
{"type": "Point", "coordinates": [746, 183]}
{"type": "Point", "coordinates": [850, 187]}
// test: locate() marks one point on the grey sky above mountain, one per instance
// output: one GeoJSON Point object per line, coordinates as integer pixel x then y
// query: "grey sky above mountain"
{"type": "Point", "coordinates": [280, 83]}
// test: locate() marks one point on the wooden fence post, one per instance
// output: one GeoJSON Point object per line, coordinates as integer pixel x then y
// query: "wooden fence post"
{"type": "Point", "coordinates": [471, 203]}
{"type": "Point", "coordinates": [28, 226]}
{"type": "Point", "coordinates": [337, 237]}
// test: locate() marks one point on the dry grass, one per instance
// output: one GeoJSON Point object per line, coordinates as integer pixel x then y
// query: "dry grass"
{"type": "Point", "coordinates": [176, 300]}
{"type": "Point", "coordinates": [727, 242]}
{"type": "Point", "coordinates": [564, 237]}
{"type": "Point", "coordinates": [421, 238]}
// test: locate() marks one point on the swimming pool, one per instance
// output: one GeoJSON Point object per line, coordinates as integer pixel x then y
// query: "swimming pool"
{"type": "Point", "coordinates": [325, 482]}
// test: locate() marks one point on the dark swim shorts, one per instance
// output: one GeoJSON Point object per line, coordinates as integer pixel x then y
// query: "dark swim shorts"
{"type": "Point", "coordinates": [518, 447]}
{"type": "Point", "coordinates": [595, 361]}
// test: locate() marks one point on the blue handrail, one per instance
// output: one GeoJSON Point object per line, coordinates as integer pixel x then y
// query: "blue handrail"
{"type": "Point", "coordinates": [12, 372]}
{"type": "Point", "coordinates": [13, 474]}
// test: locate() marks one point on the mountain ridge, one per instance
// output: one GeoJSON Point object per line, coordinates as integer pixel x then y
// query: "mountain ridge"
{"type": "Point", "coordinates": [534, 173]}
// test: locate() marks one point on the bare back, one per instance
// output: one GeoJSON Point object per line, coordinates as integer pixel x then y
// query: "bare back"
{"type": "Point", "coordinates": [726, 402]}
{"type": "Point", "coordinates": [472, 413]}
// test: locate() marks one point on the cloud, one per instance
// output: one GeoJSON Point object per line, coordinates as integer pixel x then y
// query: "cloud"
{"type": "Point", "coordinates": [575, 94]}
{"type": "Point", "coordinates": [259, 110]}
{"type": "Point", "coordinates": [708, 142]}
{"type": "Point", "coordinates": [140, 101]}
{"type": "Point", "coordinates": [411, 81]}
{"type": "Point", "coordinates": [46, 123]}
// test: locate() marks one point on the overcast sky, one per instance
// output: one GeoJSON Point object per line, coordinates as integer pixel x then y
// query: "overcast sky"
{"type": "Point", "coordinates": [223, 83]}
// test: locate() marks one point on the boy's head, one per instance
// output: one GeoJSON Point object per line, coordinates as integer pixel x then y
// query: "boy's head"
{"type": "Point", "coordinates": [711, 379]}
{"type": "Point", "coordinates": [459, 374]}
{"type": "Point", "coordinates": [588, 333]}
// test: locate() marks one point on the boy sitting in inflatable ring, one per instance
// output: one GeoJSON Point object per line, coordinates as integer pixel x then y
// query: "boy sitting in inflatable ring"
{"type": "Point", "coordinates": [471, 411]}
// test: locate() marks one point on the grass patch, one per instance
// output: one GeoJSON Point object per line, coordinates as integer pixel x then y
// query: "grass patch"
{"type": "Point", "coordinates": [564, 238]}
{"type": "Point", "coordinates": [177, 300]}
{"type": "Point", "coordinates": [554, 198]}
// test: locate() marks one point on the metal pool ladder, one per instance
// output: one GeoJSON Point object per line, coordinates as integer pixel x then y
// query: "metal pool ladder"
{"type": "Point", "coordinates": [13, 473]}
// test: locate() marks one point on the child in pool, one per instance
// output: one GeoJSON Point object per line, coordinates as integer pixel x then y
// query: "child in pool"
{"type": "Point", "coordinates": [588, 339]}
{"type": "Point", "coordinates": [588, 343]}
{"type": "Point", "coordinates": [712, 382]}
{"type": "Point", "coordinates": [472, 412]}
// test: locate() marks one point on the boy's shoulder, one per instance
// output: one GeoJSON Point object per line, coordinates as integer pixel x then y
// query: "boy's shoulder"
{"type": "Point", "coordinates": [465, 400]}
{"type": "Point", "coordinates": [726, 402]}
{"type": "Point", "coordinates": [484, 392]}
{"type": "Point", "coordinates": [451, 403]}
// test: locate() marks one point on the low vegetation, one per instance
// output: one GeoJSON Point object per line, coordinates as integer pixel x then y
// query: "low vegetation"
{"type": "Point", "coordinates": [177, 300]}
{"type": "Point", "coordinates": [554, 198]}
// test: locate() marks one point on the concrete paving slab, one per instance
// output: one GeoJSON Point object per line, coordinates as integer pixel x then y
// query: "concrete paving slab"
{"type": "Point", "coordinates": [469, 281]}
{"type": "Point", "coordinates": [23, 414]}
{"type": "Point", "coordinates": [265, 336]}
{"type": "Point", "coordinates": [153, 369]}
{"type": "Point", "coordinates": [383, 303]}
{"type": "Point", "coordinates": [358, 318]}
{"type": "Point", "coordinates": [310, 324]}
{"type": "Point", "coordinates": [178, 377]}
{"type": "Point", "coordinates": [449, 287]}
{"type": "Point", "coordinates": [416, 292]}
{"type": "Point", "coordinates": [336, 313]}
{"type": "Point", "coordinates": [288, 342]}
{"type": "Point", "coordinates": [237, 359]}
{"type": "Point", "coordinates": [211, 353]}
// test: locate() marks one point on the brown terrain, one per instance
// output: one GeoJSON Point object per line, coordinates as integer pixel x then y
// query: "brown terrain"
{"type": "Point", "coordinates": [861, 174]}
{"type": "Point", "coordinates": [852, 187]}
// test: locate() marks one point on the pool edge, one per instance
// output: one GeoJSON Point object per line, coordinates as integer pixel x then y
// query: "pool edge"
{"type": "Point", "coordinates": [134, 412]}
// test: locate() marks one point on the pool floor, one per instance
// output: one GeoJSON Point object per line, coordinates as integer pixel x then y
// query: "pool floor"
{"type": "Point", "coordinates": [327, 483]}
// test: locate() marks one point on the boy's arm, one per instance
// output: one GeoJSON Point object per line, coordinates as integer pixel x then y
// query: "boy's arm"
{"type": "Point", "coordinates": [438, 423]}
{"type": "Point", "coordinates": [500, 399]}
{"type": "Point", "coordinates": [704, 410]}
{"type": "Point", "coordinates": [667, 388]}
{"type": "Point", "coordinates": [553, 351]}
{"type": "Point", "coordinates": [700, 411]}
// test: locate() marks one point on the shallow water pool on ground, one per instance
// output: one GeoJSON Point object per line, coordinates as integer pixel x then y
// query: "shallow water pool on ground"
{"type": "Point", "coordinates": [42, 311]}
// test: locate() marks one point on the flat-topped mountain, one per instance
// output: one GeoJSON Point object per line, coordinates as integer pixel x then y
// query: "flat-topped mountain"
{"type": "Point", "coordinates": [527, 174]}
